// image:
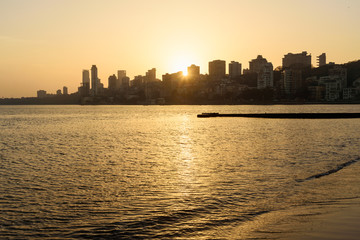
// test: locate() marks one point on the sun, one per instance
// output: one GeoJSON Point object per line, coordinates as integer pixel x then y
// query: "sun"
{"type": "Point", "coordinates": [181, 62]}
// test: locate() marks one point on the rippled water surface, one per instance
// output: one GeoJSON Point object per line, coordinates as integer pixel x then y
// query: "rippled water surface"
{"type": "Point", "coordinates": [129, 172]}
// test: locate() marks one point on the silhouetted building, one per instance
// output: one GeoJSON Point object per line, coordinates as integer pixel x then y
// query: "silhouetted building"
{"type": "Point", "coordinates": [257, 64]}
{"type": "Point", "coordinates": [193, 72]}
{"type": "Point", "coordinates": [112, 83]}
{"type": "Point", "coordinates": [121, 75]}
{"type": "Point", "coordinates": [171, 82]}
{"type": "Point", "coordinates": [234, 69]}
{"type": "Point", "coordinates": [85, 83]}
{"type": "Point", "coordinates": [265, 76]}
{"type": "Point", "coordinates": [94, 81]}
{"type": "Point", "coordinates": [339, 73]}
{"type": "Point", "coordinates": [41, 94]}
{"type": "Point", "coordinates": [321, 60]}
{"type": "Point", "coordinates": [125, 82]}
{"type": "Point", "coordinates": [292, 81]}
{"type": "Point", "coordinates": [65, 90]}
{"type": "Point", "coordinates": [151, 75]}
{"type": "Point", "coordinates": [58, 92]}
{"type": "Point", "coordinates": [332, 87]}
{"type": "Point", "coordinates": [85, 76]}
{"type": "Point", "coordinates": [138, 81]}
{"type": "Point", "coordinates": [217, 69]}
{"type": "Point", "coordinates": [298, 60]}
{"type": "Point", "coordinates": [264, 71]}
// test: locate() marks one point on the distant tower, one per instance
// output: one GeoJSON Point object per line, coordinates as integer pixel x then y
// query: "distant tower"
{"type": "Point", "coordinates": [234, 69]}
{"type": "Point", "coordinates": [121, 76]}
{"type": "Point", "coordinates": [151, 75]}
{"type": "Point", "coordinates": [321, 60]}
{"type": "Point", "coordinates": [217, 69]}
{"type": "Point", "coordinates": [255, 65]}
{"type": "Point", "coordinates": [85, 77]}
{"type": "Point", "coordinates": [264, 70]}
{"type": "Point", "coordinates": [94, 80]}
{"type": "Point", "coordinates": [41, 94]}
{"type": "Point", "coordinates": [65, 90]}
{"type": "Point", "coordinates": [193, 71]}
{"type": "Point", "coordinates": [112, 83]}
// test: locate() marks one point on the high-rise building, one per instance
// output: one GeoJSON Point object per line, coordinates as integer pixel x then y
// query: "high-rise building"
{"type": "Point", "coordinates": [171, 82]}
{"type": "Point", "coordinates": [264, 70]}
{"type": "Point", "coordinates": [298, 60]}
{"type": "Point", "coordinates": [120, 82]}
{"type": "Point", "coordinates": [217, 69]}
{"type": "Point", "coordinates": [321, 60]}
{"type": "Point", "coordinates": [41, 94]}
{"type": "Point", "coordinates": [125, 82]}
{"type": "Point", "coordinates": [257, 64]}
{"type": "Point", "coordinates": [85, 77]}
{"type": "Point", "coordinates": [292, 81]}
{"type": "Point", "coordinates": [266, 76]}
{"type": "Point", "coordinates": [339, 73]}
{"type": "Point", "coordinates": [234, 69]}
{"type": "Point", "coordinates": [65, 90]}
{"type": "Point", "coordinates": [193, 71]}
{"type": "Point", "coordinates": [112, 82]}
{"type": "Point", "coordinates": [85, 82]}
{"type": "Point", "coordinates": [138, 81]}
{"type": "Point", "coordinates": [94, 80]}
{"type": "Point", "coordinates": [150, 75]}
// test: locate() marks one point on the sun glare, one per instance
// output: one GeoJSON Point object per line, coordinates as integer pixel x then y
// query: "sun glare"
{"type": "Point", "coordinates": [181, 63]}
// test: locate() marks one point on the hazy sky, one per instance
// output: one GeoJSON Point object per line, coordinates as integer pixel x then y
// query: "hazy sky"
{"type": "Point", "coordinates": [45, 44]}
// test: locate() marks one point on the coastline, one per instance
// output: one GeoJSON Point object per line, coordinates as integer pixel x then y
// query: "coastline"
{"type": "Point", "coordinates": [5, 102]}
{"type": "Point", "coordinates": [343, 224]}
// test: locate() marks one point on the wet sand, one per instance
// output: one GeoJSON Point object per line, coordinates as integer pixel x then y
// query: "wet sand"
{"type": "Point", "coordinates": [343, 224]}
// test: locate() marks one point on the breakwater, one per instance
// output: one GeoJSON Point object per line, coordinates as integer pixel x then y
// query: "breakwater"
{"type": "Point", "coordinates": [283, 115]}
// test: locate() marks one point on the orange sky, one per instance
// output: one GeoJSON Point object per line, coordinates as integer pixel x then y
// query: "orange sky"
{"type": "Point", "coordinates": [45, 44]}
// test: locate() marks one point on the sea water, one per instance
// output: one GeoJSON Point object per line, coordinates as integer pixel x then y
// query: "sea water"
{"type": "Point", "coordinates": [159, 172]}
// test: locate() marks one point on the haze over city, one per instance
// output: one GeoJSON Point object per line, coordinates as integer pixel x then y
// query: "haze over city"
{"type": "Point", "coordinates": [46, 44]}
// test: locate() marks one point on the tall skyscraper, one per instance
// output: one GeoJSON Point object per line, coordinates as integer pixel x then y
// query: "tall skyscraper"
{"type": "Point", "coordinates": [65, 90]}
{"type": "Point", "coordinates": [321, 60]}
{"type": "Point", "coordinates": [94, 81]}
{"type": "Point", "coordinates": [234, 69]}
{"type": "Point", "coordinates": [85, 82]}
{"type": "Point", "coordinates": [85, 76]}
{"type": "Point", "coordinates": [217, 69]}
{"type": "Point", "coordinates": [120, 81]}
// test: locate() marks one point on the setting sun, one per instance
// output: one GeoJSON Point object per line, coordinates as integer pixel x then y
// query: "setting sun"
{"type": "Point", "coordinates": [180, 62]}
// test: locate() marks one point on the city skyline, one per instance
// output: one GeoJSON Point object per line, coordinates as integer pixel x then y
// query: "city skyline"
{"type": "Point", "coordinates": [45, 43]}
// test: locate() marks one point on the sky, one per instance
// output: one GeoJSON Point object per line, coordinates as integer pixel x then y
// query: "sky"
{"type": "Point", "coordinates": [45, 44]}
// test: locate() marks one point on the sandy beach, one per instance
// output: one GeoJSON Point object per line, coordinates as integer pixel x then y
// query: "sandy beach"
{"type": "Point", "coordinates": [343, 224]}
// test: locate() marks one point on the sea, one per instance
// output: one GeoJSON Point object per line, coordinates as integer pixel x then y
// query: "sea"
{"type": "Point", "coordinates": [159, 172]}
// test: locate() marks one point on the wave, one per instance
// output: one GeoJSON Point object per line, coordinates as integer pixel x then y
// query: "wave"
{"type": "Point", "coordinates": [331, 171]}
{"type": "Point", "coordinates": [179, 224]}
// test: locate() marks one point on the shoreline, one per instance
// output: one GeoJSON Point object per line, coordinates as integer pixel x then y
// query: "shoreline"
{"type": "Point", "coordinates": [342, 224]}
{"type": "Point", "coordinates": [15, 103]}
